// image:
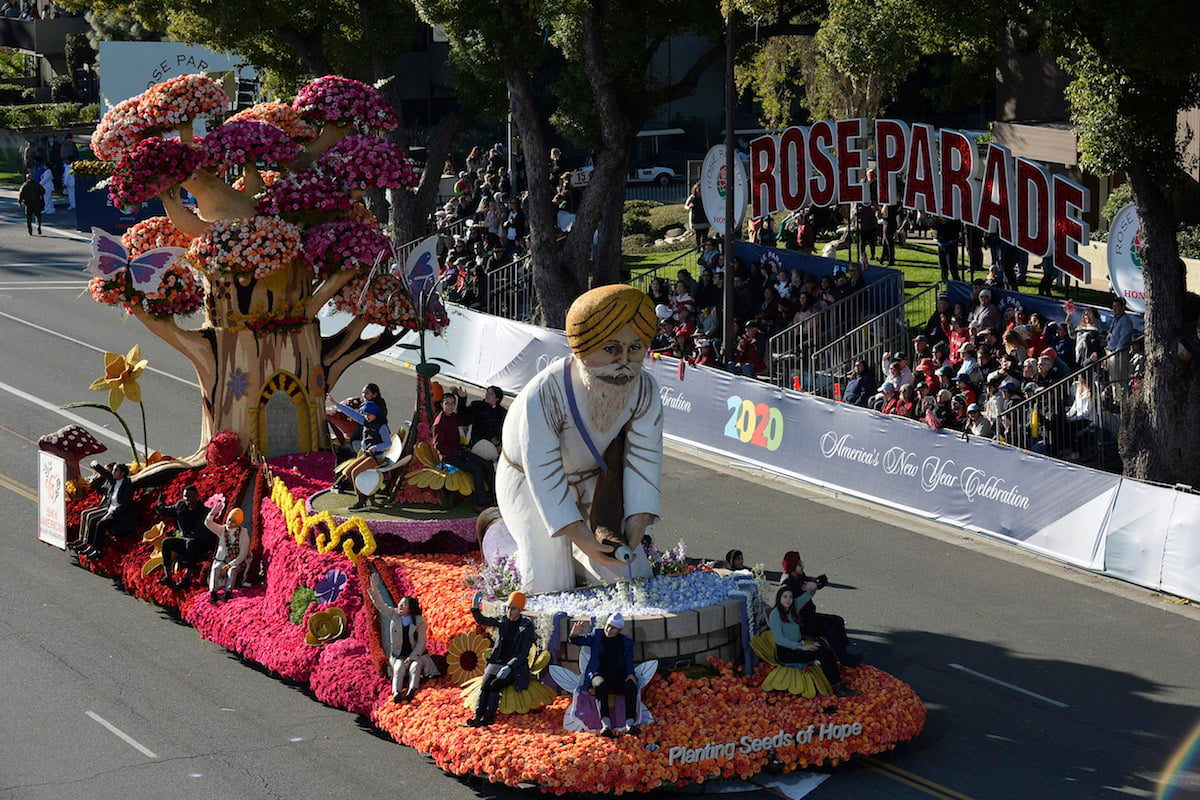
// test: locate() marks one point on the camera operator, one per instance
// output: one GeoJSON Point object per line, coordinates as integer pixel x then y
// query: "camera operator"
{"type": "Point", "coordinates": [829, 627]}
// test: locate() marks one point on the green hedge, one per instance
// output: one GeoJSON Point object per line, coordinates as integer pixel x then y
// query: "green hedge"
{"type": "Point", "coordinates": [10, 93]}
{"type": "Point", "coordinates": [48, 115]}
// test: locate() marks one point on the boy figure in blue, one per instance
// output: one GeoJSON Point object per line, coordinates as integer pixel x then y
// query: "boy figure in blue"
{"type": "Point", "coordinates": [609, 669]}
{"type": "Point", "coordinates": [376, 439]}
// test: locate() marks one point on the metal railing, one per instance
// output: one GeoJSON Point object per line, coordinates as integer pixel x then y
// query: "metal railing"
{"type": "Point", "coordinates": [641, 279]}
{"type": "Point", "coordinates": [789, 351]}
{"type": "Point", "coordinates": [509, 291]}
{"type": "Point", "coordinates": [1076, 419]}
{"type": "Point", "coordinates": [884, 333]}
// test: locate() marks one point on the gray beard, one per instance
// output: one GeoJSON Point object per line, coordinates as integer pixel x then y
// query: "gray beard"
{"type": "Point", "coordinates": [606, 401]}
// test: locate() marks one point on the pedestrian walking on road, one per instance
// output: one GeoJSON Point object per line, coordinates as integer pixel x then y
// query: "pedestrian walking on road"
{"type": "Point", "coordinates": [32, 198]}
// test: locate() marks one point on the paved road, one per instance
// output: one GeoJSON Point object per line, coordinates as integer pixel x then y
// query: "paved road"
{"type": "Point", "coordinates": [1041, 681]}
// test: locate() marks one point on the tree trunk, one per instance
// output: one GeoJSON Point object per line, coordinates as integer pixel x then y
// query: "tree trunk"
{"type": "Point", "coordinates": [557, 278]}
{"type": "Point", "coordinates": [1160, 431]}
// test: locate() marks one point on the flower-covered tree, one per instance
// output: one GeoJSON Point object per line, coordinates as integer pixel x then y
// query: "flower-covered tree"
{"type": "Point", "coordinates": [262, 257]}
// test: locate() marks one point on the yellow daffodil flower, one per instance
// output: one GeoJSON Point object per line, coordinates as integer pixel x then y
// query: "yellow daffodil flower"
{"type": "Point", "coordinates": [121, 373]}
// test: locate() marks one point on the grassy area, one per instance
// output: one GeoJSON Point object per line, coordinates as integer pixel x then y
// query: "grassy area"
{"type": "Point", "coordinates": [10, 159]}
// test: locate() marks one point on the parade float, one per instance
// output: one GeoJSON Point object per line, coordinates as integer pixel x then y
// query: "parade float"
{"type": "Point", "coordinates": [277, 232]}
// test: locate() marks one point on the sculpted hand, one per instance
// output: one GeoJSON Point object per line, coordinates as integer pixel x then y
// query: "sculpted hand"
{"type": "Point", "coordinates": [585, 540]}
{"type": "Point", "coordinates": [635, 528]}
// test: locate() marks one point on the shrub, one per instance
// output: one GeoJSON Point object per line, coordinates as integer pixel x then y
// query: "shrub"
{"type": "Point", "coordinates": [1117, 199]}
{"type": "Point", "coordinates": [632, 223]}
{"type": "Point", "coordinates": [640, 207]}
{"type": "Point", "coordinates": [29, 95]}
{"type": "Point", "coordinates": [1189, 241]}
{"type": "Point", "coordinates": [44, 115]}
{"type": "Point", "coordinates": [10, 93]}
{"type": "Point", "coordinates": [79, 52]}
{"type": "Point", "coordinates": [62, 89]}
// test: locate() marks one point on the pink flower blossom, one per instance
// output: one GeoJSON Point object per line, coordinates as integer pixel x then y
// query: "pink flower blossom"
{"type": "Point", "coordinates": [344, 101]}
{"type": "Point", "coordinates": [366, 162]}
{"type": "Point", "coordinates": [149, 168]}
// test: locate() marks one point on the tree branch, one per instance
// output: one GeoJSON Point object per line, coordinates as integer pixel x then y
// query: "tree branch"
{"type": "Point", "coordinates": [328, 290]}
{"type": "Point", "coordinates": [193, 344]}
{"type": "Point", "coordinates": [334, 367]}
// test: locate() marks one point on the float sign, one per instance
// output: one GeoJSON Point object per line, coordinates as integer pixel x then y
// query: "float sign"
{"type": "Point", "coordinates": [1125, 259]}
{"type": "Point", "coordinates": [52, 500]}
{"type": "Point", "coordinates": [715, 184]}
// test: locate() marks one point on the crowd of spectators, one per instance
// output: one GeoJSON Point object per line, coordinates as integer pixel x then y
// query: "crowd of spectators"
{"type": "Point", "coordinates": [484, 225]}
{"type": "Point", "coordinates": [31, 11]}
{"type": "Point", "coordinates": [767, 298]}
{"type": "Point", "coordinates": [972, 363]}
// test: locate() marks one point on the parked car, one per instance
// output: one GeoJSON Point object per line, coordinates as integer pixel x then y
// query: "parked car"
{"type": "Point", "coordinates": [663, 176]}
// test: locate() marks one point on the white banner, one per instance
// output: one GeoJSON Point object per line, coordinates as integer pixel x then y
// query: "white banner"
{"type": "Point", "coordinates": [52, 500]}
{"type": "Point", "coordinates": [1181, 550]}
{"type": "Point", "coordinates": [1092, 519]}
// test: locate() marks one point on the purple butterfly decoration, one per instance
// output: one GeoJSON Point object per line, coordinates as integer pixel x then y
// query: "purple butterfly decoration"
{"type": "Point", "coordinates": [423, 275]}
{"type": "Point", "coordinates": [329, 587]}
{"type": "Point", "coordinates": [109, 257]}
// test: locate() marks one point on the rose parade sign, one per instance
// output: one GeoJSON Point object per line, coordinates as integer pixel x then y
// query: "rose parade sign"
{"type": "Point", "coordinates": [921, 168]}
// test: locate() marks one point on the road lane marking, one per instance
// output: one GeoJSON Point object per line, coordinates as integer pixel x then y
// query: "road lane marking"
{"type": "Point", "coordinates": [1006, 685]}
{"type": "Point", "coordinates": [78, 420]}
{"type": "Point", "coordinates": [91, 346]}
{"type": "Point", "coordinates": [923, 785]}
{"type": "Point", "coordinates": [122, 735]}
{"type": "Point", "coordinates": [17, 487]}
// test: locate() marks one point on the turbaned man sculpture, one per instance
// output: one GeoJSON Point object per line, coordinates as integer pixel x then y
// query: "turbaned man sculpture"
{"type": "Point", "coordinates": [579, 475]}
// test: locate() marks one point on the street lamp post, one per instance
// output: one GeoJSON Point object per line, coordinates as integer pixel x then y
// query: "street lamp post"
{"type": "Point", "coordinates": [727, 339]}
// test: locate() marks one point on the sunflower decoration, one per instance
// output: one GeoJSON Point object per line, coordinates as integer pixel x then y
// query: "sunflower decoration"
{"type": "Point", "coordinates": [466, 656]}
{"type": "Point", "coordinates": [437, 475]}
{"type": "Point", "coordinates": [513, 701]}
{"type": "Point", "coordinates": [807, 681]}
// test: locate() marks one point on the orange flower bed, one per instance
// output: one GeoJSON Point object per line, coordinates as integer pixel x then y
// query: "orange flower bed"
{"type": "Point", "coordinates": [723, 726]}
{"type": "Point", "coordinates": [705, 728]}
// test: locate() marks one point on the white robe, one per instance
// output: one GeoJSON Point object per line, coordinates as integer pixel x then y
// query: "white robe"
{"type": "Point", "coordinates": [546, 477]}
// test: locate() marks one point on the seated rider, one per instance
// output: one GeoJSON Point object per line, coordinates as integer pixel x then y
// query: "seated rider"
{"type": "Point", "coordinates": [233, 550]}
{"type": "Point", "coordinates": [508, 665]}
{"type": "Point", "coordinates": [115, 516]}
{"type": "Point", "coordinates": [609, 669]}
{"type": "Point", "coordinates": [792, 646]}
{"type": "Point", "coordinates": [446, 441]}
{"type": "Point", "coordinates": [829, 627]}
{"type": "Point", "coordinates": [487, 423]}
{"type": "Point", "coordinates": [375, 442]}
{"type": "Point", "coordinates": [194, 543]}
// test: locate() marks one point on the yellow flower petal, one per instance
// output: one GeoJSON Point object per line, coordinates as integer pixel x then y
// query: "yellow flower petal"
{"type": "Point", "coordinates": [99, 385]}
{"type": "Point", "coordinates": [115, 395]}
{"type": "Point", "coordinates": [132, 390]}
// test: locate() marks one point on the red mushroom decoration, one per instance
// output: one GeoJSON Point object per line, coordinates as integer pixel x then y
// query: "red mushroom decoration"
{"type": "Point", "coordinates": [72, 444]}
